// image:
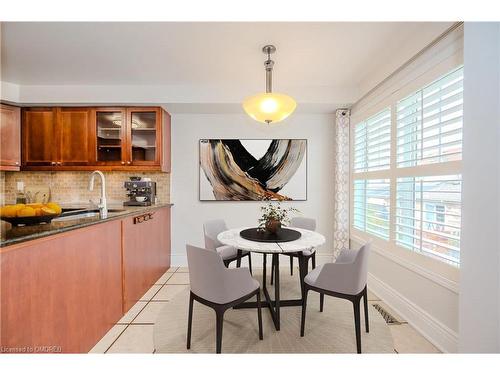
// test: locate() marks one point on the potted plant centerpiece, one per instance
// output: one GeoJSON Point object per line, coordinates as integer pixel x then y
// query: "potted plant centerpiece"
{"type": "Point", "coordinates": [274, 216]}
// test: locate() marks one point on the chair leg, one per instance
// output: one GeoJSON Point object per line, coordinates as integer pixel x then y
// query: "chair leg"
{"type": "Point", "coordinates": [190, 320]}
{"type": "Point", "coordinates": [291, 266]}
{"type": "Point", "coordinates": [238, 259]}
{"type": "Point", "coordinates": [365, 299]}
{"type": "Point", "coordinates": [250, 262]}
{"type": "Point", "coordinates": [259, 315]}
{"type": "Point", "coordinates": [357, 323]}
{"type": "Point", "coordinates": [226, 263]}
{"type": "Point", "coordinates": [219, 322]}
{"type": "Point", "coordinates": [314, 260]}
{"type": "Point", "coordinates": [321, 301]}
{"type": "Point", "coordinates": [272, 270]}
{"type": "Point", "coordinates": [304, 308]}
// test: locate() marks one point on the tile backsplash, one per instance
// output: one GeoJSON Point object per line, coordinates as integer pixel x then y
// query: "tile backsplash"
{"type": "Point", "coordinates": [72, 187]}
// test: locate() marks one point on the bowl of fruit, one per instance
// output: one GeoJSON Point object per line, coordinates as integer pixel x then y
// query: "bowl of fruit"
{"type": "Point", "coordinates": [30, 213]}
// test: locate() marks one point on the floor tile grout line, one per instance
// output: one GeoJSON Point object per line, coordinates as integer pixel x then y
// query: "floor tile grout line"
{"type": "Point", "coordinates": [162, 284]}
{"type": "Point", "coordinates": [130, 323]}
{"type": "Point", "coordinates": [146, 305]}
{"type": "Point", "coordinates": [121, 333]}
{"type": "Point", "coordinates": [127, 325]}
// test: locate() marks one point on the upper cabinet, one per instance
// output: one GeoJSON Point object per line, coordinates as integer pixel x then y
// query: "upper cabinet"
{"type": "Point", "coordinates": [145, 135]}
{"type": "Point", "coordinates": [10, 138]}
{"type": "Point", "coordinates": [39, 137]}
{"type": "Point", "coordinates": [110, 127]}
{"type": "Point", "coordinates": [108, 138]}
{"type": "Point", "coordinates": [55, 137]}
{"type": "Point", "coordinates": [73, 136]}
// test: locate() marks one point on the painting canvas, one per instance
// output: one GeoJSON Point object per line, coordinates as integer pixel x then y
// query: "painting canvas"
{"type": "Point", "coordinates": [253, 169]}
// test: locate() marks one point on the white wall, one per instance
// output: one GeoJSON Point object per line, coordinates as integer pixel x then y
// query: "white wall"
{"type": "Point", "coordinates": [188, 213]}
{"type": "Point", "coordinates": [480, 253]}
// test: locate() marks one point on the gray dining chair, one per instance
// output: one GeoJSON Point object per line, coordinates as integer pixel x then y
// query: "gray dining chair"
{"type": "Point", "coordinates": [211, 229]}
{"type": "Point", "coordinates": [346, 278]}
{"type": "Point", "coordinates": [303, 223]}
{"type": "Point", "coordinates": [218, 287]}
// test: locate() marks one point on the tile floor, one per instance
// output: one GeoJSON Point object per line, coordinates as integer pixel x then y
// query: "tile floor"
{"type": "Point", "coordinates": [134, 332]}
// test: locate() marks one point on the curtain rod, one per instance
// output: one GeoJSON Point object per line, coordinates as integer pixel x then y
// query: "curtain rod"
{"type": "Point", "coordinates": [408, 62]}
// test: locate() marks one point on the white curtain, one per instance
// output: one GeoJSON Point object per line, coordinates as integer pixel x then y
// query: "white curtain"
{"type": "Point", "coordinates": [341, 181]}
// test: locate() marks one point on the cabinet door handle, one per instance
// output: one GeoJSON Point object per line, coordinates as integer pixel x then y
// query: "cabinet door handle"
{"type": "Point", "coordinates": [123, 162]}
{"type": "Point", "coordinates": [17, 163]}
{"type": "Point", "coordinates": [143, 218]}
{"type": "Point", "coordinates": [53, 163]}
{"type": "Point", "coordinates": [59, 163]}
{"type": "Point", "coordinates": [128, 162]}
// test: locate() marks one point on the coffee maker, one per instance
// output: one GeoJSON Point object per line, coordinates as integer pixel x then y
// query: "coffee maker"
{"type": "Point", "coordinates": [140, 192]}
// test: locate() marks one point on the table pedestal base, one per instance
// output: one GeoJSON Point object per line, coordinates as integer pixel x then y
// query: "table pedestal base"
{"type": "Point", "coordinates": [275, 305]}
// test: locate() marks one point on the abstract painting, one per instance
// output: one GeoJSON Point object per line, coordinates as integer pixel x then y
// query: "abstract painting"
{"type": "Point", "coordinates": [253, 169]}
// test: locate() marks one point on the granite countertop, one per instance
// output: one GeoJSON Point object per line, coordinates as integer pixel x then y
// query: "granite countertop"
{"type": "Point", "coordinates": [11, 235]}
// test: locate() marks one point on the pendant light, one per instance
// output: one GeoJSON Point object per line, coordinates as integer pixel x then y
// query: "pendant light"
{"type": "Point", "coordinates": [269, 106]}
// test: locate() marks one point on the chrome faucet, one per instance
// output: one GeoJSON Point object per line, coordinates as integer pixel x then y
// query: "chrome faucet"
{"type": "Point", "coordinates": [103, 206]}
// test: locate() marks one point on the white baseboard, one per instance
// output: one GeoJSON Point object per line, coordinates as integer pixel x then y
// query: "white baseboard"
{"type": "Point", "coordinates": [432, 329]}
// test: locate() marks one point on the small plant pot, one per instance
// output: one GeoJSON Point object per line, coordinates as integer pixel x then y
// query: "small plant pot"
{"type": "Point", "coordinates": [272, 226]}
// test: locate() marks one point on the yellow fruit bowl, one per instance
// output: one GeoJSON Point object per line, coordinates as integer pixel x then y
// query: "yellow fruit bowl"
{"type": "Point", "coordinates": [30, 214]}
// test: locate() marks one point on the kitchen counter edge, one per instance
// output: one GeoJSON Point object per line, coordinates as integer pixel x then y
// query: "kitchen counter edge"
{"type": "Point", "coordinates": [129, 211]}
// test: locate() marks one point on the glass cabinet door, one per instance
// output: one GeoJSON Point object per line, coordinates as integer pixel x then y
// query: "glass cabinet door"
{"type": "Point", "coordinates": [110, 136]}
{"type": "Point", "coordinates": [143, 136]}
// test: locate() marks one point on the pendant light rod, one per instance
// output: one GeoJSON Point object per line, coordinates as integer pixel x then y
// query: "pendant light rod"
{"type": "Point", "coordinates": [269, 106]}
{"type": "Point", "coordinates": [268, 65]}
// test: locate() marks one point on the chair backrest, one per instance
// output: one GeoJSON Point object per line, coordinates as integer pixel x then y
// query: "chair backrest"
{"type": "Point", "coordinates": [361, 266]}
{"type": "Point", "coordinates": [211, 229]}
{"type": "Point", "coordinates": [206, 273]}
{"type": "Point", "coordinates": [303, 222]}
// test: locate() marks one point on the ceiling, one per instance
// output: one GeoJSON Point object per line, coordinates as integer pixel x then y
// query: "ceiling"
{"type": "Point", "coordinates": [340, 57]}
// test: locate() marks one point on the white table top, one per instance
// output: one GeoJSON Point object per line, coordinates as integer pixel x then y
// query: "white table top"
{"type": "Point", "coordinates": [307, 241]}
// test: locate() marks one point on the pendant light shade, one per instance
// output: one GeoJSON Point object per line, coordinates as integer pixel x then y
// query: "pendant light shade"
{"type": "Point", "coordinates": [269, 106]}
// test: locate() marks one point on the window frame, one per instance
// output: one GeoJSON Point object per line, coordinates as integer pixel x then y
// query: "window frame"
{"type": "Point", "coordinates": [393, 173]}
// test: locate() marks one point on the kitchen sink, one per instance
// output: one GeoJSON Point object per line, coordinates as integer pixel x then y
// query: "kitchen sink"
{"type": "Point", "coordinates": [76, 215]}
{"type": "Point", "coordinates": [80, 213]}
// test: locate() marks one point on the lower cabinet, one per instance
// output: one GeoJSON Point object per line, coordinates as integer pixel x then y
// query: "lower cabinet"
{"type": "Point", "coordinates": [146, 253]}
{"type": "Point", "coordinates": [62, 293]}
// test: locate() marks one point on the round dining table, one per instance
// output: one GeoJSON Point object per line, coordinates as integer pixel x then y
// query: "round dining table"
{"type": "Point", "coordinates": [308, 241]}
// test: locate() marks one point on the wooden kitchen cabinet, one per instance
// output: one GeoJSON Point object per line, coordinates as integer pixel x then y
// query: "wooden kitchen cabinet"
{"type": "Point", "coordinates": [10, 138]}
{"type": "Point", "coordinates": [39, 137]}
{"type": "Point", "coordinates": [109, 127]}
{"type": "Point", "coordinates": [73, 136]}
{"type": "Point", "coordinates": [117, 138]}
{"type": "Point", "coordinates": [61, 293]}
{"type": "Point", "coordinates": [146, 253]}
{"type": "Point", "coordinates": [144, 136]}
{"type": "Point", "coordinates": [56, 137]}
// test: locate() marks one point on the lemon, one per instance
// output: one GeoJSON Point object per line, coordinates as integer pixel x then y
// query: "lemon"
{"type": "Point", "coordinates": [47, 211]}
{"type": "Point", "coordinates": [55, 207]}
{"type": "Point", "coordinates": [9, 211]}
{"type": "Point", "coordinates": [34, 205]}
{"type": "Point", "coordinates": [18, 206]}
{"type": "Point", "coordinates": [25, 212]}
